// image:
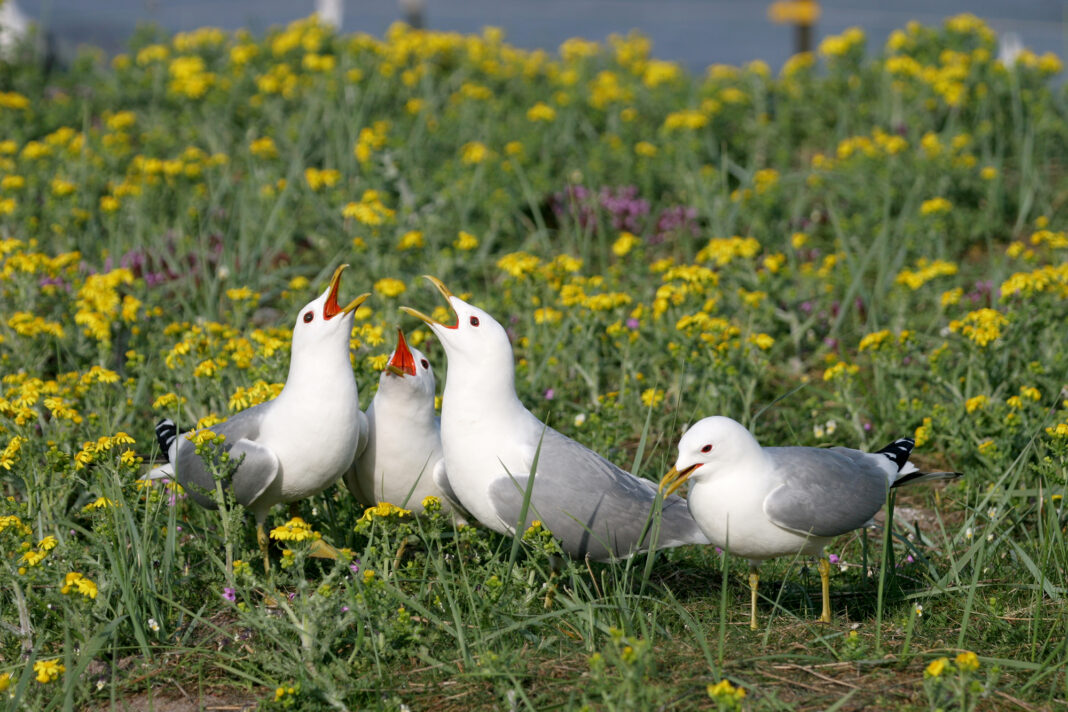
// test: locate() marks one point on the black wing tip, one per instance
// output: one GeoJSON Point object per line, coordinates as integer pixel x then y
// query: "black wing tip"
{"type": "Point", "coordinates": [166, 432]}
{"type": "Point", "coordinates": [919, 476]}
{"type": "Point", "coordinates": [899, 451]}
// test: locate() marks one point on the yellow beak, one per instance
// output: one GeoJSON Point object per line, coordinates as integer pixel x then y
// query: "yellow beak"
{"type": "Point", "coordinates": [429, 319]}
{"type": "Point", "coordinates": [675, 479]}
{"type": "Point", "coordinates": [332, 308]}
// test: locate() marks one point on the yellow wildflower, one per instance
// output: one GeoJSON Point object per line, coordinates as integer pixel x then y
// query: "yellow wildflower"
{"type": "Point", "coordinates": [76, 582]}
{"type": "Point", "coordinates": [967, 661]}
{"type": "Point", "coordinates": [465, 241]}
{"type": "Point", "coordinates": [935, 668]}
{"type": "Point", "coordinates": [296, 529]}
{"type": "Point", "coordinates": [389, 287]}
{"type": "Point", "coordinates": [48, 670]}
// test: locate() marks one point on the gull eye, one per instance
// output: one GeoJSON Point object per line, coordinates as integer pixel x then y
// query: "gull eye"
{"type": "Point", "coordinates": [474, 321]}
{"type": "Point", "coordinates": [425, 364]}
{"type": "Point", "coordinates": [308, 316]}
{"type": "Point", "coordinates": [707, 448]}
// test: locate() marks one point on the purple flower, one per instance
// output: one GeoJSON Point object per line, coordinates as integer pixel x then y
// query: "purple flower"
{"type": "Point", "coordinates": [229, 594]}
{"type": "Point", "coordinates": [633, 323]}
{"type": "Point", "coordinates": [344, 609]}
{"type": "Point", "coordinates": [833, 558]}
{"type": "Point", "coordinates": [549, 394]}
{"type": "Point", "coordinates": [354, 567]}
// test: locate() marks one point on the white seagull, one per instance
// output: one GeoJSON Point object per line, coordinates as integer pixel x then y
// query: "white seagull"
{"type": "Point", "coordinates": [491, 442]}
{"type": "Point", "coordinates": [297, 444]}
{"type": "Point", "coordinates": [403, 462]}
{"type": "Point", "coordinates": [762, 502]}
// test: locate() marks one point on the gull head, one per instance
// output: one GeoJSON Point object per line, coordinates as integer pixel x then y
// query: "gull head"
{"type": "Point", "coordinates": [324, 320]}
{"type": "Point", "coordinates": [710, 446]}
{"type": "Point", "coordinates": [408, 371]}
{"type": "Point", "coordinates": [475, 341]}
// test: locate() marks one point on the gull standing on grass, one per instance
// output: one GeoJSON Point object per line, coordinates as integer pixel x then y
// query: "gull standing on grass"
{"type": "Point", "coordinates": [297, 444]}
{"type": "Point", "coordinates": [492, 442]}
{"type": "Point", "coordinates": [762, 502]}
{"type": "Point", "coordinates": [403, 461]}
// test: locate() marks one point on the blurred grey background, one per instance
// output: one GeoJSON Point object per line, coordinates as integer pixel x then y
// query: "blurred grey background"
{"type": "Point", "coordinates": [694, 32]}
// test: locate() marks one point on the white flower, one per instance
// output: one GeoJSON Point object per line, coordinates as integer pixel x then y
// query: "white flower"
{"type": "Point", "coordinates": [831, 426]}
{"type": "Point", "coordinates": [580, 419]}
{"type": "Point", "coordinates": [919, 610]}
{"type": "Point", "coordinates": [153, 625]}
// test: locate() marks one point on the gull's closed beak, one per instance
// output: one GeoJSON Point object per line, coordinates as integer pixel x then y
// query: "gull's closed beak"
{"type": "Point", "coordinates": [332, 308]}
{"type": "Point", "coordinates": [675, 479]}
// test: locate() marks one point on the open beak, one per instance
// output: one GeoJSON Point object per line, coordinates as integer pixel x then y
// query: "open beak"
{"type": "Point", "coordinates": [403, 363]}
{"type": "Point", "coordinates": [332, 308]}
{"type": "Point", "coordinates": [675, 479]}
{"type": "Point", "coordinates": [429, 319]}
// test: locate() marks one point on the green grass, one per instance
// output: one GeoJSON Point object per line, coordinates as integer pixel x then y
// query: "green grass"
{"type": "Point", "coordinates": [791, 267]}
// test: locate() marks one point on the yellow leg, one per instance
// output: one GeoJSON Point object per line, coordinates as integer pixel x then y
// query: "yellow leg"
{"type": "Point", "coordinates": [321, 550]}
{"type": "Point", "coordinates": [824, 567]}
{"type": "Point", "coordinates": [754, 579]}
{"type": "Point", "coordinates": [261, 537]}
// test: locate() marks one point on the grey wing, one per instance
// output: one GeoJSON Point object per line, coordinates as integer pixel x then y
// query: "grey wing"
{"type": "Point", "coordinates": [824, 492]}
{"type": "Point", "coordinates": [255, 473]}
{"type": "Point", "coordinates": [591, 506]}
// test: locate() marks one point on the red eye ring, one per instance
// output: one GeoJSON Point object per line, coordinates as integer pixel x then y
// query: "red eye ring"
{"type": "Point", "coordinates": [308, 316]}
{"type": "Point", "coordinates": [474, 321]}
{"type": "Point", "coordinates": [425, 364]}
{"type": "Point", "coordinates": [707, 448]}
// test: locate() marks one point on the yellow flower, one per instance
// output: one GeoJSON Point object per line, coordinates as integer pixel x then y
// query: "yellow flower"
{"type": "Point", "coordinates": [762, 341]}
{"type": "Point", "coordinates": [242, 294]}
{"type": "Point", "coordinates": [981, 326]}
{"type": "Point", "coordinates": [76, 582]}
{"type": "Point", "coordinates": [923, 433]}
{"type": "Point", "coordinates": [794, 12]}
{"type": "Point", "coordinates": [624, 244]}
{"type": "Point", "coordinates": [541, 112]}
{"type": "Point", "coordinates": [411, 240]}
{"type": "Point", "coordinates": [383, 509]}
{"type": "Point", "coordinates": [925, 271]}
{"type": "Point", "coordinates": [935, 206]}
{"type": "Point", "coordinates": [474, 152]}
{"type": "Point", "coordinates": [644, 148]}
{"type": "Point", "coordinates": [48, 670]}
{"type": "Point", "coordinates": [976, 403]}
{"type": "Point", "coordinates": [967, 661]}
{"type": "Point", "coordinates": [652, 397]}
{"type": "Point", "coordinates": [724, 691]}
{"type": "Point", "coordinates": [5, 681]}
{"type": "Point", "coordinates": [988, 173]}
{"type": "Point", "coordinates": [296, 529]}
{"type": "Point", "coordinates": [465, 241]}
{"type": "Point", "coordinates": [935, 668]}
{"type": "Point", "coordinates": [389, 287]}
{"type": "Point", "coordinates": [264, 148]}
{"type": "Point", "coordinates": [840, 370]}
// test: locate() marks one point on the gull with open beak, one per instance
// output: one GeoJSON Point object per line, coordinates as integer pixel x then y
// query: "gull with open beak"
{"type": "Point", "coordinates": [762, 502]}
{"type": "Point", "coordinates": [494, 446]}
{"type": "Point", "coordinates": [403, 462]}
{"type": "Point", "coordinates": [297, 444]}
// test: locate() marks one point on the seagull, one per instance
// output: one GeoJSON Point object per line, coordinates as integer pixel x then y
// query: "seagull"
{"type": "Point", "coordinates": [297, 444]}
{"type": "Point", "coordinates": [760, 502]}
{"type": "Point", "coordinates": [403, 461]}
{"type": "Point", "coordinates": [492, 442]}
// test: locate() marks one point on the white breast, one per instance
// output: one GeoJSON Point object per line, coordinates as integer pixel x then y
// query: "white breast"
{"type": "Point", "coordinates": [730, 511]}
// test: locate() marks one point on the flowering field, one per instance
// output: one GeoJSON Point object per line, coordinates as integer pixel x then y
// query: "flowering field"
{"type": "Point", "coordinates": [865, 244]}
